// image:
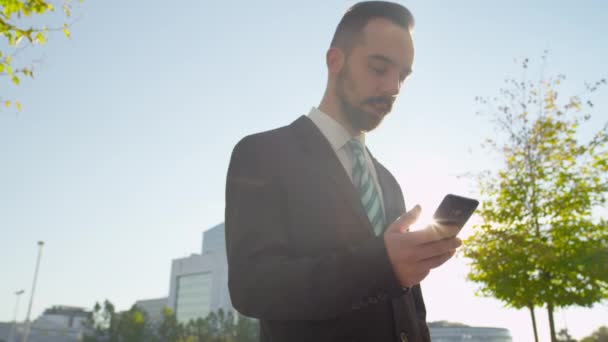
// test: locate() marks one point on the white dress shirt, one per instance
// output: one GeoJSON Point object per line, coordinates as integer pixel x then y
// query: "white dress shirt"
{"type": "Point", "coordinates": [338, 136]}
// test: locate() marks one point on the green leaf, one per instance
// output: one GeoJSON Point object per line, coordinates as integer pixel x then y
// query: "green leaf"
{"type": "Point", "coordinates": [19, 36]}
{"type": "Point", "coordinates": [40, 38]}
{"type": "Point", "coordinates": [66, 32]}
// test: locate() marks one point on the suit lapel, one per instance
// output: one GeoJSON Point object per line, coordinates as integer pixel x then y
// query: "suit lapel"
{"type": "Point", "coordinates": [321, 154]}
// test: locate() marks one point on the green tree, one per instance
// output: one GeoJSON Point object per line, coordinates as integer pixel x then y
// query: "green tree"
{"type": "Point", "coordinates": [600, 335]}
{"type": "Point", "coordinates": [538, 243]}
{"type": "Point", "coordinates": [16, 18]}
{"type": "Point", "coordinates": [132, 326]}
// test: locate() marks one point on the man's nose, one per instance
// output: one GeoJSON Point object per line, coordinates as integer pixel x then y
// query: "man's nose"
{"type": "Point", "coordinates": [392, 86]}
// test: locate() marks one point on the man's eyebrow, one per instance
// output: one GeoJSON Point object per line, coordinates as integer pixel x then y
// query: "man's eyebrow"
{"type": "Point", "coordinates": [387, 60]}
{"type": "Point", "coordinates": [382, 58]}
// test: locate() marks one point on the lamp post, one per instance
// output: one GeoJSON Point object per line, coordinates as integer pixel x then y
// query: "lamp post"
{"type": "Point", "coordinates": [26, 331]}
{"type": "Point", "coordinates": [11, 334]}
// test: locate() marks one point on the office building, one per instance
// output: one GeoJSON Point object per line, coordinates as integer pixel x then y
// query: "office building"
{"type": "Point", "coordinates": [6, 330]}
{"type": "Point", "coordinates": [451, 332]}
{"type": "Point", "coordinates": [199, 283]}
{"type": "Point", "coordinates": [57, 324]}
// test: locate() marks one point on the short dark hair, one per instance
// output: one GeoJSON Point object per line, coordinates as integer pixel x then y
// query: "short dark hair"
{"type": "Point", "coordinates": [356, 17]}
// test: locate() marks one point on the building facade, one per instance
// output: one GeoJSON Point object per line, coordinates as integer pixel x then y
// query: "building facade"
{"type": "Point", "coordinates": [454, 332]}
{"type": "Point", "coordinates": [56, 324]}
{"type": "Point", "coordinates": [153, 308]}
{"type": "Point", "coordinates": [199, 283]}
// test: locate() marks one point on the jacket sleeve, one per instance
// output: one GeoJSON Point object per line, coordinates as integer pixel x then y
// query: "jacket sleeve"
{"type": "Point", "coordinates": [421, 313]}
{"type": "Point", "coordinates": [264, 278]}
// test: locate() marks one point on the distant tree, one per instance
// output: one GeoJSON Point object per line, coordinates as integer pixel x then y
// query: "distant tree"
{"type": "Point", "coordinates": [538, 244]}
{"type": "Point", "coordinates": [16, 18]}
{"type": "Point", "coordinates": [247, 329]}
{"type": "Point", "coordinates": [222, 326]}
{"type": "Point", "coordinates": [102, 323]}
{"type": "Point", "coordinates": [227, 323]}
{"type": "Point", "coordinates": [198, 329]}
{"type": "Point", "coordinates": [107, 325]}
{"type": "Point", "coordinates": [169, 329]}
{"type": "Point", "coordinates": [600, 335]}
{"type": "Point", "coordinates": [132, 326]}
{"type": "Point", "coordinates": [564, 336]}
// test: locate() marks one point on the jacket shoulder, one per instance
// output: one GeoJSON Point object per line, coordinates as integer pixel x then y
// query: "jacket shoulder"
{"type": "Point", "coordinates": [264, 140]}
{"type": "Point", "coordinates": [264, 150]}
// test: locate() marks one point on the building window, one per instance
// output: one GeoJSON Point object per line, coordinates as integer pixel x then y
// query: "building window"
{"type": "Point", "coordinates": [193, 296]}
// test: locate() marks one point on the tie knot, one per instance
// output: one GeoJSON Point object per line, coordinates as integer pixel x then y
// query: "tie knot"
{"type": "Point", "coordinates": [356, 146]}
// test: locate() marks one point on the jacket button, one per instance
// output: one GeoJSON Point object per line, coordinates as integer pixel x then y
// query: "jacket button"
{"type": "Point", "coordinates": [403, 337]}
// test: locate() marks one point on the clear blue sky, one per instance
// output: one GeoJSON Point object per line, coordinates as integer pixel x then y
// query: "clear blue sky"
{"type": "Point", "coordinates": [119, 157]}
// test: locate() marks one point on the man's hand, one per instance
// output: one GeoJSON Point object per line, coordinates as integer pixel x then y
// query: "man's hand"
{"type": "Point", "coordinates": [414, 254]}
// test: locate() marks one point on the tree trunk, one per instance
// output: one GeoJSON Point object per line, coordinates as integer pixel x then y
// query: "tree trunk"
{"type": "Point", "coordinates": [531, 308]}
{"type": "Point", "coordinates": [551, 323]}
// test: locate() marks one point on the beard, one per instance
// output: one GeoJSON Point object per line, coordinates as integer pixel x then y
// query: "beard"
{"type": "Point", "coordinates": [358, 118]}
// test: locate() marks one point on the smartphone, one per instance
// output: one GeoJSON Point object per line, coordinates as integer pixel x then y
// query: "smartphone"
{"type": "Point", "coordinates": [455, 210]}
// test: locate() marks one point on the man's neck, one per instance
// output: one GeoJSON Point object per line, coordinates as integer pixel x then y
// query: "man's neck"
{"type": "Point", "coordinates": [333, 110]}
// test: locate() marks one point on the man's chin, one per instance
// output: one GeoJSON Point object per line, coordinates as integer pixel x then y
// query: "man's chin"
{"type": "Point", "coordinates": [364, 120]}
{"type": "Point", "coordinates": [371, 122]}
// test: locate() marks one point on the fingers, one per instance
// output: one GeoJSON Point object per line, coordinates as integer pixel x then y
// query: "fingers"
{"type": "Point", "coordinates": [404, 221]}
{"type": "Point", "coordinates": [423, 268]}
{"type": "Point", "coordinates": [432, 233]}
{"type": "Point", "coordinates": [437, 248]}
{"type": "Point", "coordinates": [437, 261]}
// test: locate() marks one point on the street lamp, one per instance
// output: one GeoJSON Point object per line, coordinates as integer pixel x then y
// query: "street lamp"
{"type": "Point", "coordinates": [26, 332]}
{"type": "Point", "coordinates": [12, 332]}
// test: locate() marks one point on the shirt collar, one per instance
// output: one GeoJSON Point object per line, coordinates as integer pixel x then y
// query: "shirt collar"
{"type": "Point", "coordinates": [333, 131]}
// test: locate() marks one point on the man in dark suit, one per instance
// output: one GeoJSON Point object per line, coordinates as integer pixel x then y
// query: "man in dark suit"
{"type": "Point", "coordinates": [318, 241]}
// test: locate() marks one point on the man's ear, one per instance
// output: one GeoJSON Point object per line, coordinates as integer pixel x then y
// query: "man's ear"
{"type": "Point", "coordinates": [335, 60]}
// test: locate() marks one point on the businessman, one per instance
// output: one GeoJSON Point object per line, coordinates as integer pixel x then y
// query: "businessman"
{"type": "Point", "coordinates": [317, 234]}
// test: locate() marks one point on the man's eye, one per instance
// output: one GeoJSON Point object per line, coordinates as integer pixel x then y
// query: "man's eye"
{"type": "Point", "coordinates": [379, 71]}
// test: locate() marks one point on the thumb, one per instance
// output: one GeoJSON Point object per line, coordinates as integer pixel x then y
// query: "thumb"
{"type": "Point", "coordinates": [403, 223]}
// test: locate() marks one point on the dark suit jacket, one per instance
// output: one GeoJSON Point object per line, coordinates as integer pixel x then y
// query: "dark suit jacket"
{"type": "Point", "coordinates": [302, 255]}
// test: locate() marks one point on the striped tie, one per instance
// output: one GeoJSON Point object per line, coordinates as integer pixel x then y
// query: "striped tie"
{"type": "Point", "coordinates": [363, 181]}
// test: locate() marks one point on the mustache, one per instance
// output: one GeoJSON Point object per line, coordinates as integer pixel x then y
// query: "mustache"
{"type": "Point", "coordinates": [387, 101]}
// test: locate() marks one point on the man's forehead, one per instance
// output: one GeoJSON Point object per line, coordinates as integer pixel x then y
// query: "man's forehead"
{"type": "Point", "coordinates": [382, 39]}
{"type": "Point", "coordinates": [383, 26]}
